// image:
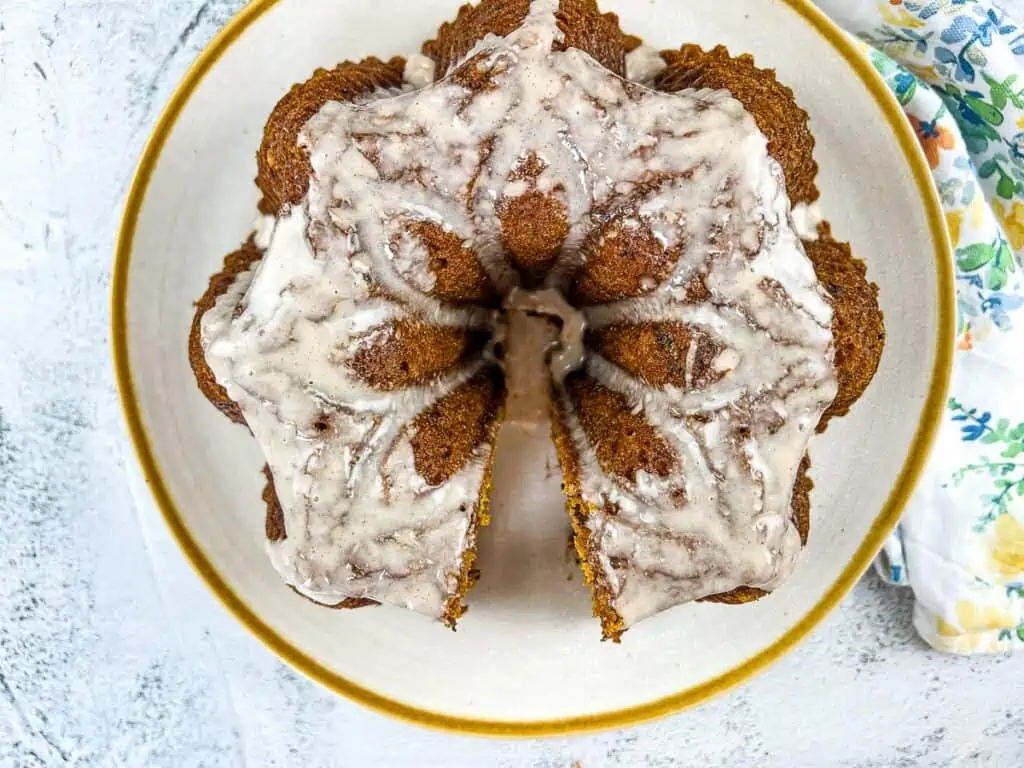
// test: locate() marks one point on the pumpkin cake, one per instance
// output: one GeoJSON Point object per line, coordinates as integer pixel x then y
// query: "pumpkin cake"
{"type": "Point", "coordinates": [538, 222]}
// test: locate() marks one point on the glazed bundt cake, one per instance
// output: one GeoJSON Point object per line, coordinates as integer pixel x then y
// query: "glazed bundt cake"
{"type": "Point", "coordinates": [506, 232]}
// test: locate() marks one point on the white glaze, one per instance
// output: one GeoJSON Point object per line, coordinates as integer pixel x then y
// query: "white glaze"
{"type": "Point", "coordinates": [420, 70]}
{"type": "Point", "coordinates": [361, 522]}
{"type": "Point", "coordinates": [806, 217]}
{"type": "Point", "coordinates": [263, 230]}
{"type": "Point", "coordinates": [347, 535]}
{"type": "Point", "coordinates": [644, 64]}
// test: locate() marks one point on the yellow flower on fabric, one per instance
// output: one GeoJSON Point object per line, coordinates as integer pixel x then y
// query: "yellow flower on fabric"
{"type": "Point", "coordinates": [974, 618]}
{"type": "Point", "coordinates": [950, 639]}
{"type": "Point", "coordinates": [1012, 220]}
{"type": "Point", "coordinates": [1008, 554]}
{"type": "Point", "coordinates": [1020, 122]}
{"type": "Point", "coordinates": [974, 56]}
{"type": "Point", "coordinates": [953, 221]}
{"type": "Point", "coordinates": [898, 16]}
{"type": "Point", "coordinates": [982, 329]}
{"type": "Point", "coordinates": [927, 73]}
{"type": "Point", "coordinates": [976, 211]}
{"type": "Point", "coordinates": [978, 630]}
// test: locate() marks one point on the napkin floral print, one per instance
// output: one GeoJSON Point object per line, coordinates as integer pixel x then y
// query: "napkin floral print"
{"type": "Point", "coordinates": [957, 69]}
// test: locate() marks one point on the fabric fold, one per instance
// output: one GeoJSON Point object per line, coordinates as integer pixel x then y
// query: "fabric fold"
{"type": "Point", "coordinates": [957, 69]}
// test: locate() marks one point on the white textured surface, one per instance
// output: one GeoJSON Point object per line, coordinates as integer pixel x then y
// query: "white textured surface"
{"type": "Point", "coordinates": [112, 653]}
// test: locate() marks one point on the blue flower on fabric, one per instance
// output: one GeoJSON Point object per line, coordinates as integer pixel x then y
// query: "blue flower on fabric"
{"type": "Point", "coordinates": [975, 426]}
{"type": "Point", "coordinates": [964, 29]}
{"type": "Point", "coordinates": [920, 41]}
{"type": "Point", "coordinates": [900, 81]}
{"type": "Point", "coordinates": [1016, 146]}
{"type": "Point", "coordinates": [903, 85]}
{"type": "Point", "coordinates": [973, 280]}
{"type": "Point", "coordinates": [998, 304]}
{"type": "Point", "coordinates": [968, 196]}
{"type": "Point", "coordinates": [994, 19]}
{"type": "Point", "coordinates": [1017, 45]}
{"type": "Point", "coordinates": [963, 70]}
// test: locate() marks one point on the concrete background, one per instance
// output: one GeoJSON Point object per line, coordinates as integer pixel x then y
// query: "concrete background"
{"type": "Point", "coordinates": [112, 653]}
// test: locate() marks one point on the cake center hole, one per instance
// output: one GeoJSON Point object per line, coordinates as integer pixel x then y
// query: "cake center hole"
{"type": "Point", "coordinates": [538, 339]}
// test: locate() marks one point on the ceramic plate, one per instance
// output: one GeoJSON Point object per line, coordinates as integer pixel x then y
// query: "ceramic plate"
{"type": "Point", "coordinates": [527, 658]}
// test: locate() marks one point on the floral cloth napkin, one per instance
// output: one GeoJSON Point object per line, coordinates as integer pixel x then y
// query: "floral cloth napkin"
{"type": "Point", "coordinates": [957, 67]}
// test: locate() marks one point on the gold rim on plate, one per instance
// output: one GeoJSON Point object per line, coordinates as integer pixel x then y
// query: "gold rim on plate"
{"type": "Point", "coordinates": [880, 528]}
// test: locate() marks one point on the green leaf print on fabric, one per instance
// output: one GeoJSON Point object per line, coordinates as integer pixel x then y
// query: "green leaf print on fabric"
{"type": "Point", "coordinates": [998, 164]}
{"type": "Point", "coordinates": [996, 256]}
{"type": "Point", "coordinates": [1003, 264]}
{"type": "Point", "coordinates": [1003, 92]}
{"type": "Point", "coordinates": [1006, 472]}
{"type": "Point", "coordinates": [974, 115]}
{"type": "Point", "coordinates": [974, 256]}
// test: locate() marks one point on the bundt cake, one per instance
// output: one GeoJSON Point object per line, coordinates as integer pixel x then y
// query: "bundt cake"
{"type": "Point", "coordinates": [505, 232]}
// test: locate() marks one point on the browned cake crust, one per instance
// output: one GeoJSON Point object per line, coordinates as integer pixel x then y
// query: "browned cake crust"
{"type": "Point", "coordinates": [472, 413]}
{"type": "Point", "coordinates": [446, 434]}
{"type": "Point", "coordinates": [612, 625]}
{"type": "Point", "coordinates": [587, 29]}
{"type": "Point", "coordinates": [771, 103]}
{"type": "Point", "coordinates": [582, 22]}
{"type": "Point", "coordinates": [473, 23]}
{"type": "Point", "coordinates": [284, 168]}
{"type": "Point", "coordinates": [235, 263]}
{"type": "Point", "coordinates": [275, 515]}
{"type": "Point", "coordinates": [459, 277]}
{"type": "Point", "coordinates": [414, 353]}
{"type": "Point", "coordinates": [858, 325]}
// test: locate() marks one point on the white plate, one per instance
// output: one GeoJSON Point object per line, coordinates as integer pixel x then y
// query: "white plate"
{"type": "Point", "coordinates": [527, 657]}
